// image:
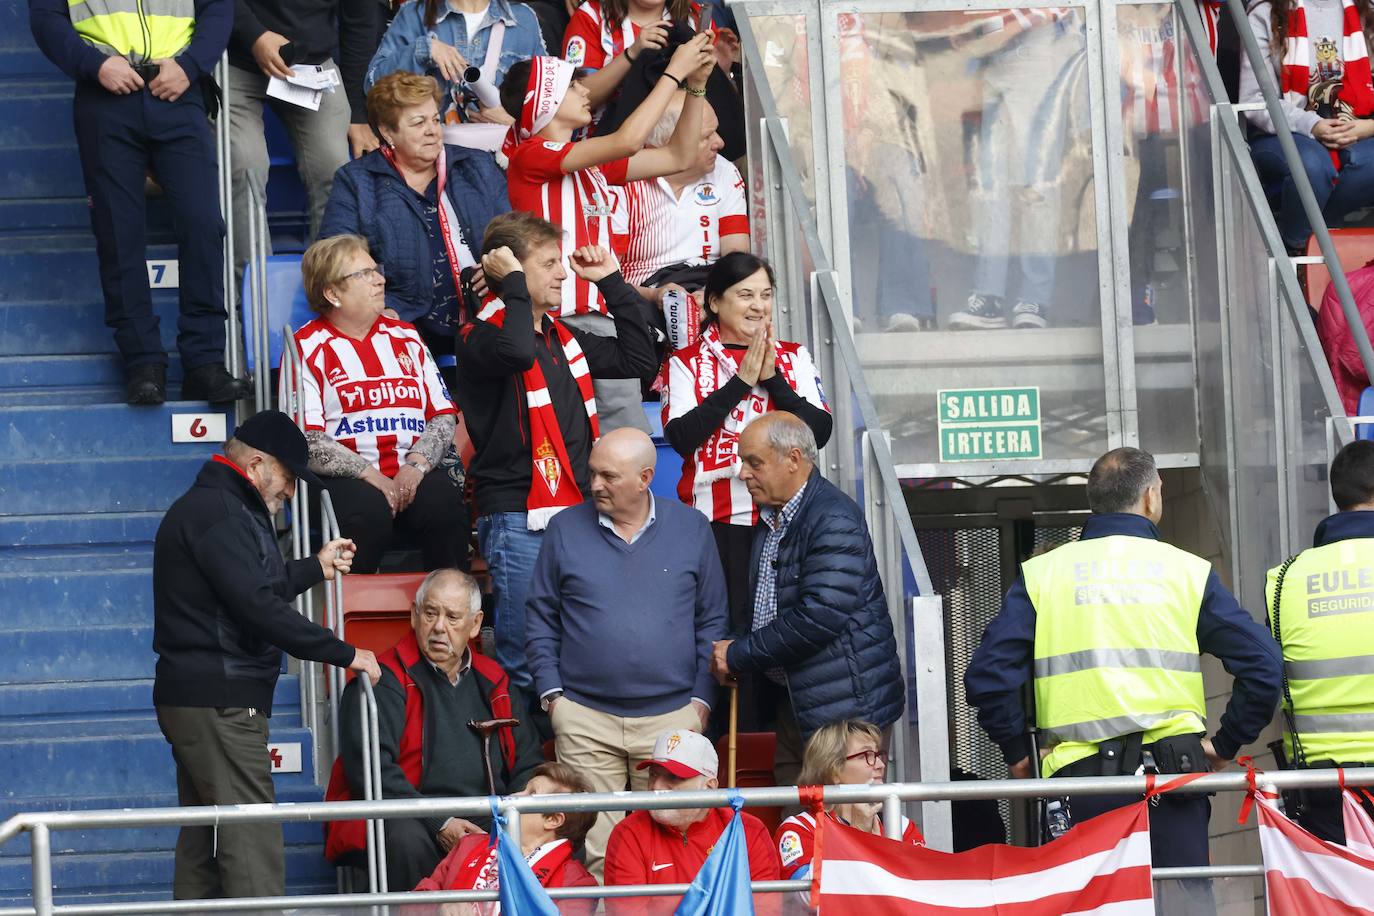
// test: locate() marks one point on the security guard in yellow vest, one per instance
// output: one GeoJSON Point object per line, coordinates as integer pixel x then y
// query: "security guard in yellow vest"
{"type": "Point", "coordinates": [139, 67]}
{"type": "Point", "coordinates": [1110, 629]}
{"type": "Point", "coordinates": [1321, 611]}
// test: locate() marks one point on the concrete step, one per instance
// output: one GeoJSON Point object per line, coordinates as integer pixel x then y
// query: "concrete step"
{"type": "Point", "coordinates": [73, 327]}
{"type": "Point", "coordinates": [109, 430]}
{"type": "Point", "coordinates": [67, 701]}
{"type": "Point", "coordinates": [94, 484]}
{"type": "Point", "coordinates": [71, 369]}
{"type": "Point", "coordinates": [133, 763]}
{"type": "Point", "coordinates": [79, 529]}
{"type": "Point", "coordinates": [44, 655]}
{"type": "Point", "coordinates": [40, 171]}
{"type": "Point", "coordinates": [94, 597]}
{"type": "Point", "coordinates": [144, 839]}
{"type": "Point", "coordinates": [101, 873]}
{"type": "Point", "coordinates": [59, 559]}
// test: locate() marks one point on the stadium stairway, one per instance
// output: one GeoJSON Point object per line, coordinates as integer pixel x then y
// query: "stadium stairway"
{"type": "Point", "coordinates": [83, 482]}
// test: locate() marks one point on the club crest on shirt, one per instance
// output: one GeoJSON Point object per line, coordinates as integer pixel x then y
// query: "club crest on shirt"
{"type": "Point", "coordinates": [789, 847]}
{"type": "Point", "coordinates": [576, 53]}
{"type": "Point", "coordinates": [706, 194]}
{"type": "Point", "coordinates": [406, 363]}
{"type": "Point", "coordinates": [546, 463]}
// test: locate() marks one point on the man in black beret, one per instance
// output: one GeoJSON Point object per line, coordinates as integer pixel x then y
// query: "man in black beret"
{"type": "Point", "coordinates": [221, 618]}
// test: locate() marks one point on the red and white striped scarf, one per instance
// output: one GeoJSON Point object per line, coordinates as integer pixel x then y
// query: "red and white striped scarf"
{"type": "Point", "coordinates": [480, 872]}
{"type": "Point", "coordinates": [718, 456]}
{"type": "Point", "coordinates": [553, 485]}
{"type": "Point", "coordinates": [550, 78]}
{"type": "Point", "coordinates": [1356, 91]}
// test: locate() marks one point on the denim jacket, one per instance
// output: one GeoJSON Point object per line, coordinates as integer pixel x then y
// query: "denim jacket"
{"type": "Point", "coordinates": [405, 46]}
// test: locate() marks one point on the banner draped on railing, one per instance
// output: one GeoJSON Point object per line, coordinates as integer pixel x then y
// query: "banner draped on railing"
{"type": "Point", "coordinates": [1100, 866]}
{"type": "Point", "coordinates": [1304, 875]}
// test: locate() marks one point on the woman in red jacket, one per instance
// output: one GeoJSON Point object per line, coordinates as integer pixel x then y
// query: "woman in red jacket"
{"type": "Point", "coordinates": [547, 840]}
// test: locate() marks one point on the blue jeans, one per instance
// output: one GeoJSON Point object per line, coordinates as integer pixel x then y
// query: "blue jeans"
{"type": "Point", "coordinates": [510, 550]}
{"type": "Point", "coordinates": [1337, 192]}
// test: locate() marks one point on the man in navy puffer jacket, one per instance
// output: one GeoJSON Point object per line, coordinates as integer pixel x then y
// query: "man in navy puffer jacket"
{"type": "Point", "coordinates": [820, 626]}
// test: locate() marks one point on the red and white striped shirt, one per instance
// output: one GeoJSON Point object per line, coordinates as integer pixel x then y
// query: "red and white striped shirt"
{"type": "Point", "coordinates": [1151, 99]}
{"type": "Point", "coordinates": [665, 229]}
{"type": "Point", "coordinates": [727, 499]}
{"type": "Point", "coordinates": [580, 203]}
{"type": "Point", "coordinates": [589, 42]}
{"type": "Point", "coordinates": [374, 396]}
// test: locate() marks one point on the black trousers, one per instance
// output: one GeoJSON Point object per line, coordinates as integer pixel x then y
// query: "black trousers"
{"type": "Point", "coordinates": [437, 520]}
{"type": "Point", "coordinates": [221, 758]}
{"type": "Point", "coordinates": [119, 138]}
{"type": "Point", "coordinates": [1318, 811]}
{"type": "Point", "coordinates": [757, 708]}
{"type": "Point", "coordinates": [412, 854]}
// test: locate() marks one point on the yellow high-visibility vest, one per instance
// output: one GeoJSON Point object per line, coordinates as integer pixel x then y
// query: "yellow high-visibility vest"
{"type": "Point", "coordinates": [141, 30]}
{"type": "Point", "coordinates": [1115, 643]}
{"type": "Point", "coordinates": [1325, 624]}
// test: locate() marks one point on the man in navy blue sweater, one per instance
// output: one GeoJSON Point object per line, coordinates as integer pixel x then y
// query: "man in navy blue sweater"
{"type": "Point", "coordinates": [139, 105]}
{"type": "Point", "coordinates": [626, 601]}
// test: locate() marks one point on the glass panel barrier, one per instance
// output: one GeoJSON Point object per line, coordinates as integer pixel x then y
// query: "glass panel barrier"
{"type": "Point", "coordinates": [1160, 107]}
{"type": "Point", "coordinates": [968, 172]}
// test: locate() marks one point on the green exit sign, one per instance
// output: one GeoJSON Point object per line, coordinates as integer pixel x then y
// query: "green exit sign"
{"type": "Point", "coordinates": [985, 424]}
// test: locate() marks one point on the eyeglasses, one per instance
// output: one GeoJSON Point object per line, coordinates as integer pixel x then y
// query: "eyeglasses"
{"type": "Point", "coordinates": [871, 757]}
{"type": "Point", "coordinates": [366, 273]}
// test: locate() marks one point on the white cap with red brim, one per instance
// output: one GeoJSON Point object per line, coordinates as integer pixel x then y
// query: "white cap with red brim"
{"type": "Point", "coordinates": [684, 754]}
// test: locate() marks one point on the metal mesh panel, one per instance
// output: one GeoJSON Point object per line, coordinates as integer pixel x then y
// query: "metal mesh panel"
{"type": "Point", "coordinates": [965, 568]}
{"type": "Point", "coordinates": [1050, 538]}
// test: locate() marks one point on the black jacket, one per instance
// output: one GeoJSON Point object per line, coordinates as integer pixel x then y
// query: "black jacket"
{"type": "Point", "coordinates": [314, 28]}
{"type": "Point", "coordinates": [221, 599]}
{"type": "Point", "coordinates": [832, 637]}
{"type": "Point", "coordinates": [491, 392]}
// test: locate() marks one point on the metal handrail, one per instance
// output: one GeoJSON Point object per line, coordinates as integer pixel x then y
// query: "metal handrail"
{"type": "Point", "coordinates": [259, 241]}
{"type": "Point", "coordinates": [372, 786]}
{"type": "Point", "coordinates": [1264, 78]}
{"type": "Point", "coordinates": [891, 796]}
{"type": "Point", "coordinates": [304, 603]}
{"type": "Point", "coordinates": [233, 344]}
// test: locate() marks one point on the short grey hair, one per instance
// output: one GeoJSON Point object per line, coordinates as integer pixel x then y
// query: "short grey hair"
{"type": "Point", "coordinates": [1120, 478]}
{"type": "Point", "coordinates": [662, 134]}
{"type": "Point", "coordinates": [787, 431]}
{"type": "Point", "coordinates": [464, 581]}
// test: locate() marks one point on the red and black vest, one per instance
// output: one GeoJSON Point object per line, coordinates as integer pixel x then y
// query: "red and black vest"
{"type": "Point", "coordinates": [344, 837]}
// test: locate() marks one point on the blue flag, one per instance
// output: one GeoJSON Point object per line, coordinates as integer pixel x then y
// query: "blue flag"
{"type": "Point", "coordinates": [721, 888]}
{"type": "Point", "coordinates": [521, 892]}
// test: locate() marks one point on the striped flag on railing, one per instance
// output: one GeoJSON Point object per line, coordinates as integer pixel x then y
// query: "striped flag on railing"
{"type": "Point", "coordinates": [1359, 826]}
{"type": "Point", "coordinates": [1101, 866]}
{"type": "Point", "coordinates": [1304, 876]}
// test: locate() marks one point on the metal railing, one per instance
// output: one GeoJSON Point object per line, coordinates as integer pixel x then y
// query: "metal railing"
{"type": "Point", "coordinates": [233, 338]}
{"type": "Point", "coordinates": [259, 243]}
{"type": "Point", "coordinates": [41, 825]}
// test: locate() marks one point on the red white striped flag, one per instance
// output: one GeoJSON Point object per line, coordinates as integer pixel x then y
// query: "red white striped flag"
{"type": "Point", "coordinates": [1304, 875]}
{"type": "Point", "coordinates": [1101, 866]}
{"type": "Point", "coordinates": [1359, 826]}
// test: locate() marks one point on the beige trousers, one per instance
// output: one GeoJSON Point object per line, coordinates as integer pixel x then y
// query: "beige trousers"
{"type": "Point", "coordinates": [606, 749]}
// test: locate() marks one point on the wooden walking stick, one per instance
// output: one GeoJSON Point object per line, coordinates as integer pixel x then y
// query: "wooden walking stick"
{"type": "Point", "coordinates": [486, 729]}
{"type": "Point", "coordinates": [734, 734]}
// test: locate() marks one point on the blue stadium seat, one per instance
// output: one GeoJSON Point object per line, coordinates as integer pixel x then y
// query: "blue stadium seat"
{"type": "Point", "coordinates": [1365, 430]}
{"type": "Point", "coordinates": [669, 469]}
{"type": "Point", "coordinates": [285, 304]}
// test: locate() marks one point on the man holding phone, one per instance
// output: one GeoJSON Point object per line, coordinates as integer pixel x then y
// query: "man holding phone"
{"type": "Point", "coordinates": [269, 38]}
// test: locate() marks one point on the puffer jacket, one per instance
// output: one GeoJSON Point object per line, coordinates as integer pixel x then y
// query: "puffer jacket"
{"type": "Point", "coordinates": [371, 199]}
{"type": "Point", "coordinates": [221, 598]}
{"type": "Point", "coordinates": [832, 635]}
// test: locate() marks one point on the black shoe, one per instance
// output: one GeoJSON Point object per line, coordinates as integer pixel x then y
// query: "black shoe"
{"type": "Point", "coordinates": [145, 384]}
{"type": "Point", "coordinates": [213, 383]}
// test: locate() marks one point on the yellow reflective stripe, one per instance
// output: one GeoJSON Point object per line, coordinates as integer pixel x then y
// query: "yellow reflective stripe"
{"type": "Point", "coordinates": [1089, 659]}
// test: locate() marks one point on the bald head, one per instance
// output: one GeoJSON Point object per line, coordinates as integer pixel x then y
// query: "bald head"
{"type": "Point", "coordinates": [622, 466]}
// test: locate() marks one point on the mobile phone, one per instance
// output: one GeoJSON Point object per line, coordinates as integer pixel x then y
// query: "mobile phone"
{"type": "Point", "coordinates": [704, 20]}
{"type": "Point", "coordinates": [288, 54]}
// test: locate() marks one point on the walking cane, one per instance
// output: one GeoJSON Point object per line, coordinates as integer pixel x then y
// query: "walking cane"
{"type": "Point", "coordinates": [734, 734]}
{"type": "Point", "coordinates": [486, 729]}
